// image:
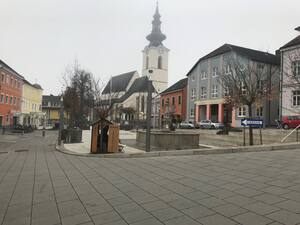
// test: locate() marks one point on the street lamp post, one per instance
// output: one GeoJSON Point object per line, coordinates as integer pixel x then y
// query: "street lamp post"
{"type": "Point", "coordinates": [149, 105]}
{"type": "Point", "coordinates": [61, 120]}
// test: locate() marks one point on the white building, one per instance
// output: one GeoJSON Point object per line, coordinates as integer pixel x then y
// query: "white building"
{"type": "Point", "coordinates": [127, 93]}
{"type": "Point", "coordinates": [290, 77]}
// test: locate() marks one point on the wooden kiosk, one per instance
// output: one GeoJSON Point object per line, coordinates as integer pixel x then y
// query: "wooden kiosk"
{"type": "Point", "coordinates": [105, 137]}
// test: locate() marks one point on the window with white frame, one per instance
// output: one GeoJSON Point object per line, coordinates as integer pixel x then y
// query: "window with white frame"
{"type": "Point", "coordinates": [260, 86]}
{"type": "Point", "coordinates": [296, 68]}
{"type": "Point", "coordinates": [242, 111]}
{"type": "Point", "coordinates": [243, 87]}
{"type": "Point", "coordinates": [192, 112]}
{"type": "Point", "coordinates": [214, 91]}
{"type": "Point", "coordinates": [203, 75]}
{"type": "Point", "coordinates": [296, 98]}
{"type": "Point", "coordinates": [215, 71]}
{"type": "Point", "coordinates": [227, 70]}
{"type": "Point", "coordinates": [2, 98]}
{"type": "Point", "coordinates": [193, 78]}
{"type": "Point", "coordinates": [193, 94]}
{"type": "Point", "coordinates": [259, 111]}
{"type": "Point", "coordinates": [203, 92]}
{"type": "Point", "coordinates": [226, 91]}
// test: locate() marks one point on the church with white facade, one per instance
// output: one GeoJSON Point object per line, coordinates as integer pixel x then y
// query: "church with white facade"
{"type": "Point", "coordinates": [127, 93]}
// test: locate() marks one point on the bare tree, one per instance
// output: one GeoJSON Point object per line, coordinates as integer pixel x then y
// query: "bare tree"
{"type": "Point", "coordinates": [78, 94]}
{"type": "Point", "coordinates": [247, 83]}
{"type": "Point", "coordinates": [104, 107]}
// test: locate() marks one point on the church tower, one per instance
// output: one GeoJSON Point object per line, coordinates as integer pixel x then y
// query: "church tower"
{"type": "Point", "coordinates": [155, 56]}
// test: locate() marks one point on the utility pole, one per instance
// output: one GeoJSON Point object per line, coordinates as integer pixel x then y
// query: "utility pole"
{"type": "Point", "coordinates": [149, 104]}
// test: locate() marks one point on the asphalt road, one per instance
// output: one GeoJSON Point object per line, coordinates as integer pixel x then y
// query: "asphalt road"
{"type": "Point", "coordinates": [39, 185]}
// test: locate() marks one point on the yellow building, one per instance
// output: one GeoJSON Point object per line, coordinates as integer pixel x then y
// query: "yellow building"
{"type": "Point", "coordinates": [31, 109]}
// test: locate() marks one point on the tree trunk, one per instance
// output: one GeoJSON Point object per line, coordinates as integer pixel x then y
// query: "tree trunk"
{"type": "Point", "coordinates": [250, 127]}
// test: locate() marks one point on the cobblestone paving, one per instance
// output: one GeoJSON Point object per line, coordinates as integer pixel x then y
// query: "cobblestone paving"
{"type": "Point", "coordinates": [44, 187]}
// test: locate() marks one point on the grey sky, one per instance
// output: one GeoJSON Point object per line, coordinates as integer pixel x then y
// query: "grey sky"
{"type": "Point", "coordinates": [39, 38]}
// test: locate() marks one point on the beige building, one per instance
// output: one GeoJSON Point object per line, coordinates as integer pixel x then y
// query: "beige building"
{"type": "Point", "coordinates": [31, 109]}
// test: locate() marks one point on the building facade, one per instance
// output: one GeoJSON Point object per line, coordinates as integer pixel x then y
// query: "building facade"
{"type": "Point", "coordinates": [31, 109]}
{"type": "Point", "coordinates": [290, 76]}
{"type": "Point", "coordinates": [206, 95]}
{"type": "Point", "coordinates": [51, 108]}
{"type": "Point", "coordinates": [173, 102]}
{"type": "Point", "coordinates": [10, 95]}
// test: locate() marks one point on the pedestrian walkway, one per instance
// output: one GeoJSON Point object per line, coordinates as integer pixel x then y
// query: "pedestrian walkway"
{"type": "Point", "coordinates": [41, 186]}
{"type": "Point", "coordinates": [84, 147]}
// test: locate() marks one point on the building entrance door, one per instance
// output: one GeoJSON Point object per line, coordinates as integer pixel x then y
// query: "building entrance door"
{"type": "Point", "coordinates": [15, 120]}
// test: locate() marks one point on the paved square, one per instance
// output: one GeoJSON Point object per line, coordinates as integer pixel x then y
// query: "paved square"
{"type": "Point", "coordinates": [43, 186]}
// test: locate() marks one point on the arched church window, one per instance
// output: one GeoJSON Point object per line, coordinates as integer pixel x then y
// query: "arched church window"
{"type": "Point", "coordinates": [147, 62]}
{"type": "Point", "coordinates": [159, 62]}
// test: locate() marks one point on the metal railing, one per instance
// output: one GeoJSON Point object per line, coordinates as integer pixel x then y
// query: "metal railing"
{"type": "Point", "coordinates": [296, 129]}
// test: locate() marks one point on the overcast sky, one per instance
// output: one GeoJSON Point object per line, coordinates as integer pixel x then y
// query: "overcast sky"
{"type": "Point", "coordinates": [39, 38]}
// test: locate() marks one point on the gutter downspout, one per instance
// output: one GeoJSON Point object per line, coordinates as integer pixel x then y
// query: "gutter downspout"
{"type": "Point", "coordinates": [280, 85]}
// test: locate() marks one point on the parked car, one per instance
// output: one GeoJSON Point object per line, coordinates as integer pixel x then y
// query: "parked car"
{"type": "Point", "coordinates": [186, 125]}
{"type": "Point", "coordinates": [208, 124]}
{"type": "Point", "coordinates": [290, 122]}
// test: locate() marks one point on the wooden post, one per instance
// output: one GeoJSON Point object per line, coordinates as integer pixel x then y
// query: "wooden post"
{"type": "Point", "coordinates": [149, 102]}
{"type": "Point", "coordinates": [260, 135]}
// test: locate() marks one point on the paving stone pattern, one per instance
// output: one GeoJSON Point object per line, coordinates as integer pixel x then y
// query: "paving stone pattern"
{"type": "Point", "coordinates": [44, 187]}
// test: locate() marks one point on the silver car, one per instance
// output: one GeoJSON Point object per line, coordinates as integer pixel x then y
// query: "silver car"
{"type": "Point", "coordinates": [208, 124]}
{"type": "Point", "coordinates": [186, 125]}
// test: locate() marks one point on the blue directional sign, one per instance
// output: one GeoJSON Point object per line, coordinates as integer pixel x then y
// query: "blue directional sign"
{"type": "Point", "coordinates": [252, 122]}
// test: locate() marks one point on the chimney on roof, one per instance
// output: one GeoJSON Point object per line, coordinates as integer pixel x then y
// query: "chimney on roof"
{"type": "Point", "coordinates": [298, 28]}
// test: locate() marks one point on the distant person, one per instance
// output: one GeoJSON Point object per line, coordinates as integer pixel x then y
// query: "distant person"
{"type": "Point", "coordinates": [105, 138]}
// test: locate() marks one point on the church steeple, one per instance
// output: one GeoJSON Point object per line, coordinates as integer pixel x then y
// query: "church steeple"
{"type": "Point", "coordinates": [156, 37]}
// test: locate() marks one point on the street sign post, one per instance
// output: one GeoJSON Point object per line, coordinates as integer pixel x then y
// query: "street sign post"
{"type": "Point", "coordinates": [257, 123]}
{"type": "Point", "coordinates": [252, 122]}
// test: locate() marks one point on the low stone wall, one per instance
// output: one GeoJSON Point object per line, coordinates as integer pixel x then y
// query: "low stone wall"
{"type": "Point", "coordinates": [269, 136]}
{"type": "Point", "coordinates": [167, 140]}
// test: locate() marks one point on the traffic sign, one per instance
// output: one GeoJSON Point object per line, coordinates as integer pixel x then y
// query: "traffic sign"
{"type": "Point", "coordinates": [252, 122]}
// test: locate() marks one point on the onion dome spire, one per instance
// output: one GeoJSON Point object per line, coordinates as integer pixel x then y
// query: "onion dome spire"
{"type": "Point", "coordinates": [156, 37]}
